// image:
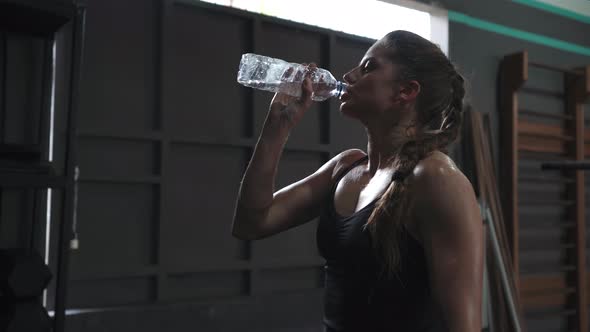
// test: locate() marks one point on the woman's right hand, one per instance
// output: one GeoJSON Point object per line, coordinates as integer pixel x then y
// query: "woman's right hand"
{"type": "Point", "coordinates": [286, 111]}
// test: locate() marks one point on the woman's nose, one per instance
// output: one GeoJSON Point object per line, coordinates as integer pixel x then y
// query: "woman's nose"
{"type": "Point", "coordinates": [348, 77]}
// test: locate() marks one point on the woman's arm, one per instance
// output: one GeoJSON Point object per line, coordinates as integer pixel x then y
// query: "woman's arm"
{"type": "Point", "coordinates": [451, 230]}
{"type": "Point", "coordinates": [260, 211]}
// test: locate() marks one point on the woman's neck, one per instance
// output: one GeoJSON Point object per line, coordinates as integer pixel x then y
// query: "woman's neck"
{"type": "Point", "coordinates": [383, 145]}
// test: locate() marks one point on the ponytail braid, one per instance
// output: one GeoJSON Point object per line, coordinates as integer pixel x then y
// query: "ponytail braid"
{"type": "Point", "coordinates": [442, 115]}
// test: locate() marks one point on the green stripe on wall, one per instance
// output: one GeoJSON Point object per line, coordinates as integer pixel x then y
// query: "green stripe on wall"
{"type": "Point", "coordinates": [518, 34]}
{"type": "Point", "coordinates": [555, 10]}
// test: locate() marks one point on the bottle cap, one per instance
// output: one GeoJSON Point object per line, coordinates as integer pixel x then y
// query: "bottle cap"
{"type": "Point", "coordinates": [341, 89]}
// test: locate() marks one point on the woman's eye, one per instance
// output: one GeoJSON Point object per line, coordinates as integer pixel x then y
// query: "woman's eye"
{"type": "Point", "coordinates": [367, 67]}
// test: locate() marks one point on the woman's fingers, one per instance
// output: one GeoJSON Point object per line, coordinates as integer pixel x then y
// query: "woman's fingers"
{"type": "Point", "coordinates": [306, 86]}
{"type": "Point", "coordinates": [293, 75]}
{"type": "Point", "coordinates": [282, 98]}
{"type": "Point", "coordinates": [287, 73]}
{"type": "Point", "coordinates": [306, 91]}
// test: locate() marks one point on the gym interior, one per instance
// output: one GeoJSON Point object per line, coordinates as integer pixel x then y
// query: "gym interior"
{"type": "Point", "coordinates": [124, 137]}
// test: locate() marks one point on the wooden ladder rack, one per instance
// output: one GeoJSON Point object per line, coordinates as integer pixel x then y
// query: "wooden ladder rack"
{"type": "Point", "coordinates": [521, 136]}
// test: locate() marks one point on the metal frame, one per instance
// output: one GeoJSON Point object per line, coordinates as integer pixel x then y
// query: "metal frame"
{"type": "Point", "coordinates": [498, 259]}
{"type": "Point", "coordinates": [42, 18]}
{"type": "Point", "coordinates": [68, 206]}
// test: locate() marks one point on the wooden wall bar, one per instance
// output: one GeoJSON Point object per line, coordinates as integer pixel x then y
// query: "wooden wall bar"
{"type": "Point", "coordinates": [513, 75]}
{"type": "Point", "coordinates": [533, 135]}
{"type": "Point", "coordinates": [577, 91]}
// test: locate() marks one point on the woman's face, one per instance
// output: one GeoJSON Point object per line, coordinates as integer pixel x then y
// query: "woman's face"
{"type": "Point", "coordinates": [372, 90]}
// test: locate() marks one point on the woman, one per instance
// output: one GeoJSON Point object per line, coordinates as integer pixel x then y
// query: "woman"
{"type": "Point", "coordinates": [400, 227]}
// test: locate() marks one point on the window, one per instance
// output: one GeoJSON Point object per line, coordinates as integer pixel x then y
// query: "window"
{"type": "Point", "coordinates": [366, 18]}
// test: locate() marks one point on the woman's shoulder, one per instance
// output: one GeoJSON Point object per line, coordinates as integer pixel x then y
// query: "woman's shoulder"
{"type": "Point", "coordinates": [351, 155]}
{"type": "Point", "coordinates": [437, 184]}
{"type": "Point", "coordinates": [436, 163]}
{"type": "Point", "coordinates": [438, 169]}
{"type": "Point", "coordinates": [346, 159]}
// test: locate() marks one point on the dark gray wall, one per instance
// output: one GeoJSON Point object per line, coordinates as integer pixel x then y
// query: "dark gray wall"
{"type": "Point", "coordinates": [165, 134]}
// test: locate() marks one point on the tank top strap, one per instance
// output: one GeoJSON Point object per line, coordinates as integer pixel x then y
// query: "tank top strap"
{"type": "Point", "coordinates": [350, 167]}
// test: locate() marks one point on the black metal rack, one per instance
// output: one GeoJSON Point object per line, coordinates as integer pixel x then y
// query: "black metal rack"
{"type": "Point", "coordinates": [24, 166]}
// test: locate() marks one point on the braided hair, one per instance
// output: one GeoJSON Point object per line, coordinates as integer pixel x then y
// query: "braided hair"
{"type": "Point", "coordinates": [439, 115]}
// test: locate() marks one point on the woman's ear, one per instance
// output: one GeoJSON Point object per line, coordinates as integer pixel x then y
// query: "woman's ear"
{"type": "Point", "coordinates": [409, 91]}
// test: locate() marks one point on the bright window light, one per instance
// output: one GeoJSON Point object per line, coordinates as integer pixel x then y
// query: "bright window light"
{"type": "Point", "coordinates": [367, 18]}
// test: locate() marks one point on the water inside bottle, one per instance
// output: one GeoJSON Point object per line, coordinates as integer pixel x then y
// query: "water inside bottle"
{"type": "Point", "coordinates": [290, 88]}
{"type": "Point", "coordinates": [321, 90]}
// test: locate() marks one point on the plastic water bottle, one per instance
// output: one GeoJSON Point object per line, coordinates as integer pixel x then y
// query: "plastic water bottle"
{"type": "Point", "coordinates": [276, 75]}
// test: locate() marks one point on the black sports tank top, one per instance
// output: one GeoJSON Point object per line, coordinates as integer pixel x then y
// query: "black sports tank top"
{"type": "Point", "coordinates": [356, 297]}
